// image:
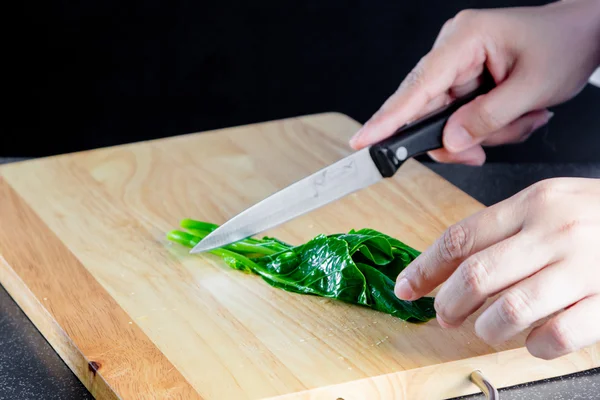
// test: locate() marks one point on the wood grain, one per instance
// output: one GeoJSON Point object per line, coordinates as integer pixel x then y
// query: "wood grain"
{"type": "Point", "coordinates": [97, 340]}
{"type": "Point", "coordinates": [228, 334]}
{"type": "Point", "coordinates": [504, 369]}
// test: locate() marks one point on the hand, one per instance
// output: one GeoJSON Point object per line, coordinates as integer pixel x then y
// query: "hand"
{"type": "Point", "coordinates": [538, 56]}
{"type": "Point", "coordinates": [540, 250]}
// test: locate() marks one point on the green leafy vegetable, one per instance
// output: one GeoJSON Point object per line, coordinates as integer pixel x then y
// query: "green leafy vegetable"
{"type": "Point", "coordinates": [358, 267]}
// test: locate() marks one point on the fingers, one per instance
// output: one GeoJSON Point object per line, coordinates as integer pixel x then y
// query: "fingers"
{"type": "Point", "coordinates": [467, 237]}
{"type": "Point", "coordinates": [477, 120]}
{"type": "Point", "coordinates": [431, 78]}
{"type": "Point", "coordinates": [475, 156]}
{"type": "Point", "coordinates": [548, 291]}
{"type": "Point", "coordinates": [515, 132]}
{"type": "Point", "coordinates": [573, 329]}
{"type": "Point", "coordinates": [488, 272]}
{"type": "Point", "coordinates": [434, 104]}
{"type": "Point", "coordinates": [519, 130]}
{"type": "Point", "coordinates": [466, 81]}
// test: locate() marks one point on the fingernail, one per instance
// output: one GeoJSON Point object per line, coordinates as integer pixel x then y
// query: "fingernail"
{"type": "Point", "coordinates": [475, 162]}
{"type": "Point", "coordinates": [458, 139]}
{"type": "Point", "coordinates": [542, 121]}
{"type": "Point", "coordinates": [403, 290]}
{"type": "Point", "coordinates": [357, 135]}
{"type": "Point", "coordinates": [443, 323]}
{"type": "Point", "coordinates": [354, 139]}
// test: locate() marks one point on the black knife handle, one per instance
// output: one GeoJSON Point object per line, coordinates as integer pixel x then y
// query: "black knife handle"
{"type": "Point", "coordinates": [422, 135]}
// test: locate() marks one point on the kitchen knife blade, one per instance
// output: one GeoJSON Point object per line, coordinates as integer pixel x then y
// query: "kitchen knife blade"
{"type": "Point", "coordinates": [329, 184]}
{"type": "Point", "coordinates": [350, 174]}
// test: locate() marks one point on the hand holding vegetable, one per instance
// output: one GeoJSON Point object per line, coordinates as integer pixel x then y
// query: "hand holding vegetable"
{"type": "Point", "coordinates": [540, 250]}
{"type": "Point", "coordinates": [538, 56]}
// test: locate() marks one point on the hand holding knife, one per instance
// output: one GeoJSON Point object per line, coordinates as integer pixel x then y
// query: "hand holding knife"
{"type": "Point", "coordinates": [355, 172]}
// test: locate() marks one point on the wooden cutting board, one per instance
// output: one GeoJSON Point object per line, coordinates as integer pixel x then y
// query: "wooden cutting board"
{"type": "Point", "coordinates": [83, 252]}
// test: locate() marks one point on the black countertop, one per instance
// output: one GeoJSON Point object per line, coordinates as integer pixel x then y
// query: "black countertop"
{"type": "Point", "coordinates": [30, 369]}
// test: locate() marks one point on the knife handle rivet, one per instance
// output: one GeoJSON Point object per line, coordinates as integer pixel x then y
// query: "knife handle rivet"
{"type": "Point", "coordinates": [401, 153]}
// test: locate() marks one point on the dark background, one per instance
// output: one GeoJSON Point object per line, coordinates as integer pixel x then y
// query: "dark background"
{"type": "Point", "coordinates": [87, 74]}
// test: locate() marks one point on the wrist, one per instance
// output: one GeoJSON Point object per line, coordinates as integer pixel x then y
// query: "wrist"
{"type": "Point", "coordinates": [590, 17]}
{"type": "Point", "coordinates": [595, 11]}
{"type": "Point", "coordinates": [584, 22]}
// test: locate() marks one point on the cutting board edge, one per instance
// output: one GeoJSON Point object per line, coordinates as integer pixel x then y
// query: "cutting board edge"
{"type": "Point", "coordinates": [98, 371]}
{"type": "Point", "coordinates": [451, 379]}
{"type": "Point", "coordinates": [27, 160]}
{"type": "Point", "coordinates": [308, 119]}
{"type": "Point", "coordinates": [337, 115]}
{"type": "Point", "coordinates": [60, 342]}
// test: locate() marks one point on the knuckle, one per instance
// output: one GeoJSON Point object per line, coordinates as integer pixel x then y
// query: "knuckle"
{"type": "Point", "coordinates": [474, 274]}
{"type": "Point", "coordinates": [447, 25]}
{"type": "Point", "coordinates": [467, 16]}
{"type": "Point", "coordinates": [444, 33]}
{"type": "Point", "coordinates": [416, 77]}
{"type": "Point", "coordinates": [543, 193]}
{"type": "Point", "coordinates": [422, 274]}
{"type": "Point", "coordinates": [454, 243]}
{"type": "Point", "coordinates": [514, 308]}
{"type": "Point", "coordinates": [487, 120]}
{"type": "Point", "coordinates": [561, 337]}
{"type": "Point", "coordinates": [441, 309]}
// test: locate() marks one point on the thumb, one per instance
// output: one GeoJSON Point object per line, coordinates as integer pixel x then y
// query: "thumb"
{"type": "Point", "coordinates": [474, 122]}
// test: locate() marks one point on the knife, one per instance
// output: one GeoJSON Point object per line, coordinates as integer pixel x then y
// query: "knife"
{"type": "Point", "coordinates": [355, 172]}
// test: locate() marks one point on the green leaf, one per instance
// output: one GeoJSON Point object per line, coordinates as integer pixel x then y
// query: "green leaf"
{"type": "Point", "coordinates": [382, 298]}
{"type": "Point", "coordinates": [383, 252]}
{"type": "Point", "coordinates": [322, 266]}
{"type": "Point", "coordinates": [358, 267]}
